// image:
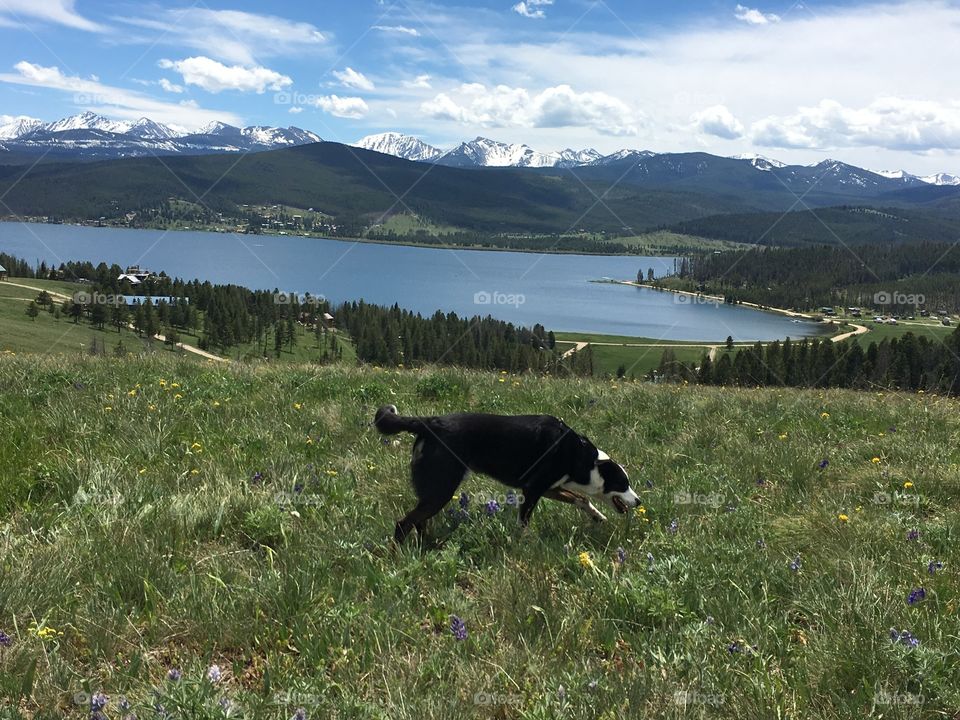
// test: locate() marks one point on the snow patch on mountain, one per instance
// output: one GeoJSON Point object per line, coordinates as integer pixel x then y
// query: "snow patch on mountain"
{"type": "Point", "coordinates": [399, 145]}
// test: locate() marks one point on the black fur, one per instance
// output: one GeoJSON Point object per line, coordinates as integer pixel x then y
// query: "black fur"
{"type": "Point", "coordinates": [532, 452]}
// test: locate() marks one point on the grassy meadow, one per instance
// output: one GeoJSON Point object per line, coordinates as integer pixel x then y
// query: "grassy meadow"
{"type": "Point", "coordinates": [163, 515]}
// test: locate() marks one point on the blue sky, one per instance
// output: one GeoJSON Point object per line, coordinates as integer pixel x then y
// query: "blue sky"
{"type": "Point", "coordinates": [869, 83]}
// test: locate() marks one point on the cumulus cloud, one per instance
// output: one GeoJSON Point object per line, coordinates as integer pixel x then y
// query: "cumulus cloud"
{"type": "Point", "coordinates": [421, 82]}
{"type": "Point", "coordinates": [353, 79]}
{"type": "Point", "coordinates": [532, 8]}
{"type": "Point", "coordinates": [888, 122]}
{"type": "Point", "coordinates": [554, 107]}
{"type": "Point", "coordinates": [352, 108]}
{"type": "Point", "coordinates": [398, 29]}
{"type": "Point", "coordinates": [215, 77]}
{"type": "Point", "coordinates": [60, 12]}
{"type": "Point", "coordinates": [753, 16]}
{"type": "Point", "coordinates": [295, 110]}
{"type": "Point", "coordinates": [169, 86]}
{"type": "Point", "coordinates": [112, 101]}
{"type": "Point", "coordinates": [717, 121]}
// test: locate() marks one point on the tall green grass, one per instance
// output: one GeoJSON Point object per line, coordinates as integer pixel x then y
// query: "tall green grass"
{"type": "Point", "coordinates": [245, 524]}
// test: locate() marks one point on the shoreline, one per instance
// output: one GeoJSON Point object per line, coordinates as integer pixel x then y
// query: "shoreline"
{"type": "Point", "coordinates": [368, 240]}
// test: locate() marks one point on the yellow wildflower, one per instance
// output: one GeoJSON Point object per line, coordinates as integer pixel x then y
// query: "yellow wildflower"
{"type": "Point", "coordinates": [132, 393]}
{"type": "Point", "coordinates": [875, 461]}
{"type": "Point", "coordinates": [824, 415]}
{"type": "Point", "coordinates": [107, 408]}
{"type": "Point", "coordinates": [907, 485]}
{"type": "Point", "coordinates": [297, 406]}
{"type": "Point", "coordinates": [843, 518]}
{"type": "Point", "coordinates": [585, 560]}
{"type": "Point", "coordinates": [178, 396]}
{"type": "Point", "coordinates": [194, 472]}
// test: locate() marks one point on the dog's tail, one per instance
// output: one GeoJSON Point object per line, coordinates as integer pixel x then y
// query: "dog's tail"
{"type": "Point", "coordinates": [388, 422]}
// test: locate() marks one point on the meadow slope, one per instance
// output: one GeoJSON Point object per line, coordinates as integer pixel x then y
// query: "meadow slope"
{"type": "Point", "coordinates": [163, 515]}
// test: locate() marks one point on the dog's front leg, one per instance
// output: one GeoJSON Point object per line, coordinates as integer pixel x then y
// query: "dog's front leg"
{"type": "Point", "coordinates": [531, 496]}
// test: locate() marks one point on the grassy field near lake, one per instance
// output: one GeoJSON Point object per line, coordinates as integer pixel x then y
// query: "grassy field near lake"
{"type": "Point", "coordinates": [162, 516]}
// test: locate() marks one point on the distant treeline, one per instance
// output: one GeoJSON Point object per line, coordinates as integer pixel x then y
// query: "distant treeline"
{"type": "Point", "coordinates": [804, 278]}
{"type": "Point", "coordinates": [910, 362]}
{"type": "Point", "coordinates": [227, 316]}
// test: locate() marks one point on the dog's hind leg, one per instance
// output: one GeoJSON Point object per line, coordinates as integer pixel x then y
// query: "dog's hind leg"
{"type": "Point", "coordinates": [436, 477]}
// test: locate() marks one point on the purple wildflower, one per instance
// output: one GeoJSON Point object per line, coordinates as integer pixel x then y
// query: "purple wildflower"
{"type": "Point", "coordinates": [458, 627]}
{"type": "Point", "coordinates": [98, 701]}
{"type": "Point", "coordinates": [913, 535]}
{"type": "Point", "coordinates": [464, 501]}
{"type": "Point", "coordinates": [225, 704]}
{"type": "Point", "coordinates": [621, 555]}
{"type": "Point", "coordinates": [673, 527]}
{"type": "Point", "coordinates": [174, 675]}
{"type": "Point", "coordinates": [649, 562]}
{"type": "Point", "coordinates": [761, 481]}
{"type": "Point", "coordinates": [709, 620]}
{"type": "Point", "coordinates": [735, 647]}
{"type": "Point", "coordinates": [903, 637]}
{"type": "Point", "coordinates": [298, 487]}
{"type": "Point", "coordinates": [213, 674]}
{"type": "Point", "coordinates": [257, 477]}
{"type": "Point", "coordinates": [823, 464]}
{"type": "Point", "coordinates": [123, 703]}
{"type": "Point", "coordinates": [934, 566]}
{"type": "Point", "coordinates": [492, 507]}
{"type": "Point", "coordinates": [892, 429]}
{"type": "Point", "coordinates": [299, 714]}
{"type": "Point", "coordinates": [5, 640]}
{"type": "Point", "coordinates": [761, 544]}
{"type": "Point", "coordinates": [648, 483]}
{"type": "Point", "coordinates": [795, 564]}
{"type": "Point", "coordinates": [916, 595]}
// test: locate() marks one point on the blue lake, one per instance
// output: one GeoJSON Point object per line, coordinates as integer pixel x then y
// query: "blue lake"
{"type": "Point", "coordinates": [523, 288]}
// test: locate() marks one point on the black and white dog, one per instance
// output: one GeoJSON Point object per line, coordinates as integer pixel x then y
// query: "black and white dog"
{"type": "Point", "coordinates": [536, 453]}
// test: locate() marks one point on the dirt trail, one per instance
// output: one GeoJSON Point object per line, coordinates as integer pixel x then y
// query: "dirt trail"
{"type": "Point", "coordinates": [188, 348]}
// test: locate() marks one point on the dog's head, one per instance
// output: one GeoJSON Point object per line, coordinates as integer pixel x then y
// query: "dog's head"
{"type": "Point", "coordinates": [601, 477]}
{"type": "Point", "coordinates": [613, 484]}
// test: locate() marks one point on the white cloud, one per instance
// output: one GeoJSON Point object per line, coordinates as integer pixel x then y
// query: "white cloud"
{"type": "Point", "coordinates": [215, 77]}
{"type": "Point", "coordinates": [113, 101]}
{"type": "Point", "coordinates": [554, 107]}
{"type": "Point", "coordinates": [230, 35]}
{"type": "Point", "coordinates": [353, 79]}
{"type": "Point", "coordinates": [753, 16]}
{"type": "Point", "coordinates": [295, 110]}
{"type": "Point", "coordinates": [60, 12]}
{"type": "Point", "coordinates": [400, 29]}
{"type": "Point", "coordinates": [421, 82]}
{"type": "Point", "coordinates": [717, 121]}
{"type": "Point", "coordinates": [169, 86]}
{"type": "Point", "coordinates": [532, 8]}
{"type": "Point", "coordinates": [888, 122]}
{"type": "Point", "coordinates": [352, 108]}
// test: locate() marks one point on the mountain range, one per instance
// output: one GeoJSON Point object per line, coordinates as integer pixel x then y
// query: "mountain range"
{"type": "Point", "coordinates": [92, 136]}
{"type": "Point", "coordinates": [483, 152]}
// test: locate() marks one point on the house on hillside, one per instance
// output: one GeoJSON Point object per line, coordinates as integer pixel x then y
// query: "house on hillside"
{"type": "Point", "coordinates": [134, 275]}
{"type": "Point", "coordinates": [3, 273]}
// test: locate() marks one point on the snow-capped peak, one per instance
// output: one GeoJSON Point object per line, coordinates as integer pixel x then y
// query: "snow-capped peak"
{"type": "Point", "coordinates": [573, 158]}
{"type": "Point", "coordinates": [941, 179]}
{"type": "Point", "coordinates": [14, 127]}
{"type": "Point", "coordinates": [147, 128]}
{"type": "Point", "coordinates": [217, 128]}
{"type": "Point", "coordinates": [490, 153]}
{"type": "Point", "coordinates": [86, 121]}
{"type": "Point", "coordinates": [761, 162]}
{"type": "Point", "coordinates": [399, 145]}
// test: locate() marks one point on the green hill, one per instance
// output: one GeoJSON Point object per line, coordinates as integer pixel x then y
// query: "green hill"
{"type": "Point", "coordinates": [167, 515]}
